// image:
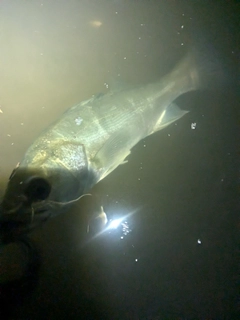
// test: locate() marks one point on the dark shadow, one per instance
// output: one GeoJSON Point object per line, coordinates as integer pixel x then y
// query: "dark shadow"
{"type": "Point", "coordinates": [13, 293]}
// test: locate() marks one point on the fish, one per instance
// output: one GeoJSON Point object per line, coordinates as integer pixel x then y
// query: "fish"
{"type": "Point", "coordinates": [88, 142]}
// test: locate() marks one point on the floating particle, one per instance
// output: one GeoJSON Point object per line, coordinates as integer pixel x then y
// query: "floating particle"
{"type": "Point", "coordinates": [78, 121]}
{"type": "Point", "coordinates": [193, 125]}
{"type": "Point", "coordinates": [95, 23]}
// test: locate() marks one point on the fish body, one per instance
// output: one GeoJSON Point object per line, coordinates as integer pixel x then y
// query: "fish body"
{"type": "Point", "coordinates": [88, 142]}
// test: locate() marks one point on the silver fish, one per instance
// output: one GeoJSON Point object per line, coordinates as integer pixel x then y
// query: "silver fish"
{"type": "Point", "coordinates": [88, 142]}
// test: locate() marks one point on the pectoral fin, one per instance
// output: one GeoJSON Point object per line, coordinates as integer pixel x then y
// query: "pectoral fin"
{"type": "Point", "coordinates": [171, 114]}
{"type": "Point", "coordinates": [112, 153]}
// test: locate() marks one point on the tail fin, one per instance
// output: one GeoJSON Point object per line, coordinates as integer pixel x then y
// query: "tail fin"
{"type": "Point", "coordinates": [214, 71]}
{"type": "Point", "coordinates": [204, 70]}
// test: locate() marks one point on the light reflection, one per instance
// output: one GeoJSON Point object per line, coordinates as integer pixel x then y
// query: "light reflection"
{"type": "Point", "coordinates": [114, 224]}
{"type": "Point", "coordinates": [118, 227]}
{"type": "Point", "coordinates": [121, 224]}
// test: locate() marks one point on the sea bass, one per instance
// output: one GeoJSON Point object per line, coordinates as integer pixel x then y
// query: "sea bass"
{"type": "Point", "coordinates": [88, 142]}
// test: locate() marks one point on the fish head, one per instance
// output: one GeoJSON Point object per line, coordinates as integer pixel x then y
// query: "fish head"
{"type": "Point", "coordinates": [22, 205]}
{"type": "Point", "coordinates": [37, 192]}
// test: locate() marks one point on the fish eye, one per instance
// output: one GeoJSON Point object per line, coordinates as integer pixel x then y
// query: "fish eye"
{"type": "Point", "coordinates": [37, 189]}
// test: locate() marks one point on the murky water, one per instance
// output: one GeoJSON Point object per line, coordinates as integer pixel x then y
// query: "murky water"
{"type": "Point", "coordinates": [173, 256]}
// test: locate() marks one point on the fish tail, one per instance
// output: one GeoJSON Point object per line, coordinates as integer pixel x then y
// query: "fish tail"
{"type": "Point", "coordinates": [186, 74]}
{"type": "Point", "coordinates": [208, 70]}
{"type": "Point", "coordinates": [203, 70]}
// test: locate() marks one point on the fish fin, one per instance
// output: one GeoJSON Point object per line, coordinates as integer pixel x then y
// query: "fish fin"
{"type": "Point", "coordinates": [171, 114]}
{"type": "Point", "coordinates": [97, 222]}
{"type": "Point", "coordinates": [112, 153]}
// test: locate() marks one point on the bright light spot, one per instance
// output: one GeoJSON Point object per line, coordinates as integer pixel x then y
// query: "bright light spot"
{"type": "Point", "coordinates": [199, 241]}
{"type": "Point", "coordinates": [118, 226]}
{"type": "Point", "coordinates": [136, 260]}
{"type": "Point", "coordinates": [78, 121]}
{"type": "Point", "coordinates": [182, 26]}
{"type": "Point", "coordinates": [193, 125]}
{"type": "Point", "coordinates": [114, 224]}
